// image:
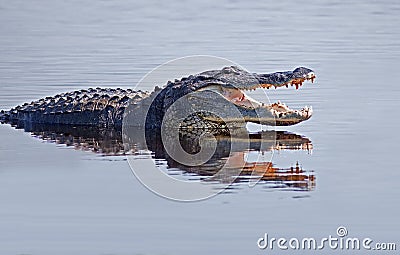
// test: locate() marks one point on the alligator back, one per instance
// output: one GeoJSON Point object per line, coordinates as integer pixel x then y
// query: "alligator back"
{"type": "Point", "coordinates": [95, 107]}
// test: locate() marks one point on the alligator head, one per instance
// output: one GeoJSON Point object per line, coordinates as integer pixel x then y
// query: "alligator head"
{"type": "Point", "coordinates": [219, 90]}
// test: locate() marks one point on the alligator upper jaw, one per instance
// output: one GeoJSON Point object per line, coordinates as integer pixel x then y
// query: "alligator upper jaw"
{"type": "Point", "coordinates": [297, 82]}
{"type": "Point", "coordinates": [275, 114]}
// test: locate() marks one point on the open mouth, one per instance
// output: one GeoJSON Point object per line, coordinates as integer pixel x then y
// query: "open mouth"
{"type": "Point", "coordinates": [281, 112]}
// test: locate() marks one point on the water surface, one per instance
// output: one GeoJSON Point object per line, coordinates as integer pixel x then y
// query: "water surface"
{"type": "Point", "coordinates": [58, 200]}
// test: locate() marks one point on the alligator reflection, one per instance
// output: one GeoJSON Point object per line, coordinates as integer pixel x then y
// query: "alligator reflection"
{"type": "Point", "coordinates": [291, 178]}
{"type": "Point", "coordinates": [109, 142]}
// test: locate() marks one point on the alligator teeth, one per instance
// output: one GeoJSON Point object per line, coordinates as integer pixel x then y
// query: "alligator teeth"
{"type": "Point", "coordinates": [310, 75]}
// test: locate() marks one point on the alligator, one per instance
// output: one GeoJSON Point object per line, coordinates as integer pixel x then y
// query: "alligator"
{"type": "Point", "coordinates": [107, 107]}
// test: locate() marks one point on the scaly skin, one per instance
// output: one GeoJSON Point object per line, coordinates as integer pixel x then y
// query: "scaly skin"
{"type": "Point", "coordinates": [106, 107]}
{"type": "Point", "coordinates": [92, 107]}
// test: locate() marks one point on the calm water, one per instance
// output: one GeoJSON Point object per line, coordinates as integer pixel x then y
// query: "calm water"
{"type": "Point", "coordinates": [58, 200]}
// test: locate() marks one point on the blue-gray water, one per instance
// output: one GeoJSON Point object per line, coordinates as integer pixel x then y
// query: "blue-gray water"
{"type": "Point", "coordinates": [55, 200]}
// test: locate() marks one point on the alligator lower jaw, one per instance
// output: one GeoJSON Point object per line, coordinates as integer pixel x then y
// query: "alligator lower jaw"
{"type": "Point", "coordinates": [284, 116]}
